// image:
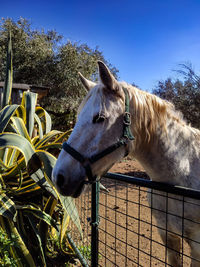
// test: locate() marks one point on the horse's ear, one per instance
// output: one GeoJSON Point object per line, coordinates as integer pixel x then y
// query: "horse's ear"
{"type": "Point", "coordinates": [86, 83]}
{"type": "Point", "coordinates": [106, 77]}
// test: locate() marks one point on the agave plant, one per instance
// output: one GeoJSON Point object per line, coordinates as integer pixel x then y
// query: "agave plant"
{"type": "Point", "coordinates": [30, 206]}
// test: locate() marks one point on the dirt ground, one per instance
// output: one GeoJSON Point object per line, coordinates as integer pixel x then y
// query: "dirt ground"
{"type": "Point", "coordinates": [128, 233]}
{"type": "Point", "coordinates": [125, 229]}
{"type": "Point", "coordinates": [129, 166]}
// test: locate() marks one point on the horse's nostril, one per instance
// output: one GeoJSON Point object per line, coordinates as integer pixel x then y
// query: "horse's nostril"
{"type": "Point", "coordinates": [60, 180]}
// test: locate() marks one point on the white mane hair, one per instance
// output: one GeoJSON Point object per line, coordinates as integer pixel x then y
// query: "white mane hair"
{"type": "Point", "coordinates": [151, 112]}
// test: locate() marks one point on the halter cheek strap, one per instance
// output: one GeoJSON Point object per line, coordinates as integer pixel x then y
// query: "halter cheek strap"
{"type": "Point", "coordinates": [85, 162]}
{"type": "Point", "coordinates": [126, 137]}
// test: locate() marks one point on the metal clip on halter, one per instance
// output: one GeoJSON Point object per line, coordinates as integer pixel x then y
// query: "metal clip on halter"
{"type": "Point", "coordinates": [127, 118]}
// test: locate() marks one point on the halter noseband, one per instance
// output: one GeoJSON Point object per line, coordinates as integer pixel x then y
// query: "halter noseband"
{"type": "Point", "coordinates": [126, 136]}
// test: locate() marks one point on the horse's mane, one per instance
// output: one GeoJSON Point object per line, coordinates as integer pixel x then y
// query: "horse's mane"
{"type": "Point", "coordinates": [150, 113]}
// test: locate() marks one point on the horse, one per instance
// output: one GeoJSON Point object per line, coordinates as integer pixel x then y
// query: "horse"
{"type": "Point", "coordinates": [116, 119]}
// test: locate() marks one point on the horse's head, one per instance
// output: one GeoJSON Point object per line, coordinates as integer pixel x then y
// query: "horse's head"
{"type": "Point", "coordinates": [100, 125]}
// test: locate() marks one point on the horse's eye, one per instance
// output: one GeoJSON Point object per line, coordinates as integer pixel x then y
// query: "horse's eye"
{"type": "Point", "coordinates": [98, 119]}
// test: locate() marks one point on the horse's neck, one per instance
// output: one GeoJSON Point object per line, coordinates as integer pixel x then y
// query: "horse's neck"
{"type": "Point", "coordinates": [173, 154]}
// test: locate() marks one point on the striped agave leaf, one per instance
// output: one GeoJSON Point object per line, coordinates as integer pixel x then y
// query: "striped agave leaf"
{"type": "Point", "coordinates": [9, 74]}
{"type": "Point", "coordinates": [20, 127]}
{"type": "Point", "coordinates": [39, 125]}
{"type": "Point", "coordinates": [68, 203]}
{"type": "Point", "coordinates": [7, 207]}
{"type": "Point", "coordinates": [12, 140]}
{"type": "Point", "coordinates": [45, 118]}
{"type": "Point", "coordinates": [5, 115]}
{"type": "Point", "coordinates": [29, 101]}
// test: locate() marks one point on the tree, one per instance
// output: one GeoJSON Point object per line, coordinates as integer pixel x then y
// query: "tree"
{"type": "Point", "coordinates": [184, 94]}
{"type": "Point", "coordinates": [33, 52]}
{"type": "Point", "coordinates": [43, 58]}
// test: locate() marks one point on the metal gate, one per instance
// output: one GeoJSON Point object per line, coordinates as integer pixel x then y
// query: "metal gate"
{"type": "Point", "coordinates": [119, 228]}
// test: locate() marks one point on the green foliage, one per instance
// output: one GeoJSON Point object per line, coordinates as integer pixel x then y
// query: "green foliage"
{"type": "Point", "coordinates": [85, 251]}
{"type": "Point", "coordinates": [45, 57]}
{"type": "Point", "coordinates": [185, 94]}
{"type": "Point", "coordinates": [33, 51]}
{"type": "Point", "coordinates": [30, 206]}
{"type": "Point", "coordinates": [6, 243]}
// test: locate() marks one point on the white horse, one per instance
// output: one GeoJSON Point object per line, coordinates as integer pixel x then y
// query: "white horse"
{"type": "Point", "coordinates": [163, 143]}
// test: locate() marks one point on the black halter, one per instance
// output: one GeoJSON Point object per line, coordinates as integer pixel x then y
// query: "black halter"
{"type": "Point", "coordinates": [126, 136]}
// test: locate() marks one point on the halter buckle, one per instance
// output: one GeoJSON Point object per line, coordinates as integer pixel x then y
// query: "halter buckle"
{"type": "Point", "coordinates": [127, 118]}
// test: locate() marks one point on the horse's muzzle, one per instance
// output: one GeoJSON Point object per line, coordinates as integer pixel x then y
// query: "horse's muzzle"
{"type": "Point", "coordinates": [68, 189]}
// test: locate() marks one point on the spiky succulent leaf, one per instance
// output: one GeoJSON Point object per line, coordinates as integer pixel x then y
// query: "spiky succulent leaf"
{"type": "Point", "coordinates": [11, 140]}
{"type": "Point", "coordinates": [9, 75]}
{"type": "Point", "coordinates": [68, 203]}
{"type": "Point", "coordinates": [29, 100]}
{"type": "Point", "coordinates": [5, 115]}
{"type": "Point", "coordinates": [45, 119]}
{"type": "Point", "coordinates": [7, 207]}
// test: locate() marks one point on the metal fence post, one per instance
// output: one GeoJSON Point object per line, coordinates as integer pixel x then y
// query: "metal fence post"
{"type": "Point", "coordinates": [95, 224]}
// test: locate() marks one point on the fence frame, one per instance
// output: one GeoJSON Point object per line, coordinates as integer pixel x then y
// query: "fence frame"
{"type": "Point", "coordinates": [165, 187]}
{"type": "Point", "coordinates": [95, 223]}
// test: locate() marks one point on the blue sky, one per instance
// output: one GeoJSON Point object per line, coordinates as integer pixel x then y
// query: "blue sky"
{"type": "Point", "coordinates": [144, 39]}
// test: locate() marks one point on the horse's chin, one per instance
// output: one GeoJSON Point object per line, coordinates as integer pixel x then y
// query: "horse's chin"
{"type": "Point", "coordinates": [64, 192]}
{"type": "Point", "coordinates": [82, 185]}
{"type": "Point", "coordinates": [79, 190]}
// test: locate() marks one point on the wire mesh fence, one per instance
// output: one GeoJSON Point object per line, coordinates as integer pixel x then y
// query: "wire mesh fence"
{"type": "Point", "coordinates": [83, 242]}
{"type": "Point", "coordinates": [141, 226]}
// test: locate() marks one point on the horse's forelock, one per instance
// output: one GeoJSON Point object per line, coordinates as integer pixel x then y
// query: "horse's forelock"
{"type": "Point", "coordinates": [97, 89]}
